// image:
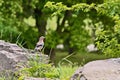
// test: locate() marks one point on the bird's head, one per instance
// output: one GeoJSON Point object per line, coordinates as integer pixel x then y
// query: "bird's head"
{"type": "Point", "coordinates": [41, 38]}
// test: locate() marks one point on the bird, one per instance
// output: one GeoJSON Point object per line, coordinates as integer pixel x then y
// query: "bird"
{"type": "Point", "coordinates": [40, 44]}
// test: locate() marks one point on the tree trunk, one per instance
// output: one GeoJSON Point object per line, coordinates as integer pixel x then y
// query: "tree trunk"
{"type": "Point", "coordinates": [60, 26]}
{"type": "Point", "coordinates": [51, 53]}
{"type": "Point", "coordinates": [41, 21]}
{"type": "Point", "coordinates": [68, 16]}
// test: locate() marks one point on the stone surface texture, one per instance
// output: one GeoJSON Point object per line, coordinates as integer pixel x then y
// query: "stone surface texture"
{"type": "Point", "coordinates": [108, 69]}
{"type": "Point", "coordinates": [11, 56]}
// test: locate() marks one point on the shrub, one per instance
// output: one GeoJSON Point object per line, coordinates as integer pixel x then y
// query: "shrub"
{"type": "Point", "coordinates": [108, 40]}
{"type": "Point", "coordinates": [37, 68]}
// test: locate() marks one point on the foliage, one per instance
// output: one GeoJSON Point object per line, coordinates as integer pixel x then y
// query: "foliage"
{"type": "Point", "coordinates": [104, 21]}
{"type": "Point", "coordinates": [12, 24]}
{"type": "Point", "coordinates": [108, 39]}
{"type": "Point", "coordinates": [29, 38]}
{"type": "Point", "coordinates": [7, 75]}
{"type": "Point", "coordinates": [8, 34]}
{"type": "Point", "coordinates": [107, 36]}
{"type": "Point", "coordinates": [37, 68]}
{"type": "Point", "coordinates": [73, 35]}
{"type": "Point", "coordinates": [79, 59]}
{"type": "Point", "coordinates": [57, 8]}
{"type": "Point", "coordinates": [72, 13]}
{"type": "Point", "coordinates": [65, 72]}
{"type": "Point", "coordinates": [52, 39]}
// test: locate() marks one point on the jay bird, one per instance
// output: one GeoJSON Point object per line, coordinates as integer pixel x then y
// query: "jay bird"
{"type": "Point", "coordinates": [40, 44]}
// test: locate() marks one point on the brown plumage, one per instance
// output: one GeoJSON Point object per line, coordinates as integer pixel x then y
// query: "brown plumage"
{"type": "Point", "coordinates": [40, 44]}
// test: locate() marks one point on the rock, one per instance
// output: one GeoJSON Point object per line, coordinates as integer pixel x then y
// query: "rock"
{"type": "Point", "coordinates": [108, 69]}
{"type": "Point", "coordinates": [60, 46]}
{"type": "Point", "coordinates": [11, 56]}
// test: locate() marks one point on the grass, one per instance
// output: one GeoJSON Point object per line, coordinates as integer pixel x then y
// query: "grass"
{"type": "Point", "coordinates": [66, 72]}
{"type": "Point", "coordinates": [79, 58]}
{"type": "Point", "coordinates": [7, 75]}
{"type": "Point", "coordinates": [68, 64]}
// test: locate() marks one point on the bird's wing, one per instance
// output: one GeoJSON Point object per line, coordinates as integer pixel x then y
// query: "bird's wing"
{"type": "Point", "coordinates": [39, 46]}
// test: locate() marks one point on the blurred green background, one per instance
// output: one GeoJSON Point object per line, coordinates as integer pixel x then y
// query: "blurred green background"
{"type": "Point", "coordinates": [73, 24]}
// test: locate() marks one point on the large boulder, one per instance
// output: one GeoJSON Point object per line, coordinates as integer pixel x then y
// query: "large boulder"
{"type": "Point", "coordinates": [108, 69]}
{"type": "Point", "coordinates": [11, 56]}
